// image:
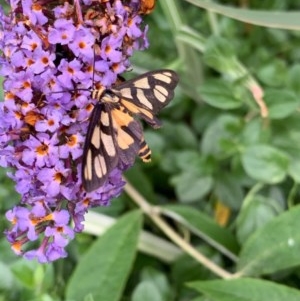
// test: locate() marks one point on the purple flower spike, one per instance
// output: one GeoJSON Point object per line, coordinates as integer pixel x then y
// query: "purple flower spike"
{"type": "Point", "coordinates": [51, 53]}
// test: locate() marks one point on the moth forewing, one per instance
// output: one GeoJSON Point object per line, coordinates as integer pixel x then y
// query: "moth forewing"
{"type": "Point", "coordinates": [162, 75]}
{"type": "Point", "coordinates": [148, 93]}
{"type": "Point", "coordinates": [100, 153]}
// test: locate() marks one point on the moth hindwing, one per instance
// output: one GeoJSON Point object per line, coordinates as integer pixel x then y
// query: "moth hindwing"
{"type": "Point", "coordinates": [114, 137]}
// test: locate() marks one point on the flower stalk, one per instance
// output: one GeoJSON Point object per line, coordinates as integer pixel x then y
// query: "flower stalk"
{"type": "Point", "coordinates": [53, 54]}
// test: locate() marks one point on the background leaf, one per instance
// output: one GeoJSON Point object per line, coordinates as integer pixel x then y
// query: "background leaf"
{"type": "Point", "coordinates": [245, 289]}
{"type": "Point", "coordinates": [286, 20]}
{"type": "Point", "coordinates": [281, 103]}
{"type": "Point", "coordinates": [265, 163]}
{"type": "Point", "coordinates": [273, 247]}
{"type": "Point", "coordinates": [109, 261]}
{"type": "Point", "coordinates": [256, 213]}
{"type": "Point", "coordinates": [219, 94]}
{"type": "Point", "coordinates": [147, 291]}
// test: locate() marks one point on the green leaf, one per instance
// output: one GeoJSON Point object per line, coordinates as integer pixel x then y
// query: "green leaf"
{"type": "Point", "coordinates": [6, 276]}
{"type": "Point", "coordinates": [205, 227]}
{"type": "Point", "coordinates": [273, 74]}
{"type": "Point", "coordinates": [24, 271]}
{"type": "Point", "coordinates": [169, 164]}
{"type": "Point", "coordinates": [147, 291]}
{"type": "Point", "coordinates": [281, 103]}
{"type": "Point", "coordinates": [190, 161]}
{"type": "Point", "coordinates": [245, 290]}
{"type": "Point", "coordinates": [273, 247]}
{"type": "Point", "coordinates": [187, 269]}
{"type": "Point", "coordinates": [46, 297]}
{"type": "Point", "coordinates": [294, 170]}
{"type": "Point", "coordinates": [89, 297]}
{"type": "Point", "coordinates": [256, 213]}
{"type": "Point", "coordinates": [228, 189]}
{"type": "Point", "coordinates": [265, 163]}
{"type": "Point", "coordinates": [220, 137]}
{"type": "Point", "coordinates": [255, 132]}
{"type": "Point", "coordinates": [202, 116]}
{"type": "Point", "coordinates": [293, 78]}
{"type": "Point", "coordinates": [275, 19]}
{"type": "Point", "coordinates": [156, 142]}
{"type": "Point", "coordinates": [6, 255]}
{"type": "Point", "coordinates": [104, 268]}
{"type": "Point", "coordinates": [160, 281]}
{"type": "Point", "coordinates": [218, 93]}
{"type": "Point", "coordinates": [286, 135]}
{"type": "Point", "coordinates": [202, 298]}
{"type": "Point", "coordinates": [191, 187]}
{"type": "Point", "coordinates": [187, 160]}
{"type": "Point", "coordinates": [179, 135]}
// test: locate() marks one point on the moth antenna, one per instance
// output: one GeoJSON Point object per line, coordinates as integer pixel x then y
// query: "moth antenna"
{"type": "Point", "coordinates": [93, 77]}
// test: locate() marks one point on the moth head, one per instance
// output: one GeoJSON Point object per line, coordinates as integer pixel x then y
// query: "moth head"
{"type": "Point", "coordinates": [109, 97]}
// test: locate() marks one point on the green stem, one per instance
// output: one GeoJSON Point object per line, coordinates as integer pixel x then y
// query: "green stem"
{"type": "Point", "coordinates": [212, 17]}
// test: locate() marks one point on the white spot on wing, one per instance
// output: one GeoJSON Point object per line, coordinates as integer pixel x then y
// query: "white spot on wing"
{"type": "Point", "coordinates": [161, 89]}
{"type": "Point", "coordinates": [142, 98]}
{"type": "Point", "coordinates": [108, 144]}
{"type": "Point", "coordinates": [100, 166]}
{"type": "Point", "coordinates": [142, 83]}
{"type": "Point", "coordinates": [159, 96]}
{"type": "Point", "coordinates": [164, 77]}
{"type": "Point", "coordinates": [126, 93]}
{"type": "Point", "coordinates": [105, 118]}
{"type": "Point", "coordinates": [87, 168]}
{"type": "Point", "coordinates": [96, 137]}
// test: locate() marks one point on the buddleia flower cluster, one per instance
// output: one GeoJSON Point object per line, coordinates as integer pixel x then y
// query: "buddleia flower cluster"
{"type": "Point", "coordinates": [53, 52]}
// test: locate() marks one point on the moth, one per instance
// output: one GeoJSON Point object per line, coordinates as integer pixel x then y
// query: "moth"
{"type": "Point", "coordinates": [114, 137]}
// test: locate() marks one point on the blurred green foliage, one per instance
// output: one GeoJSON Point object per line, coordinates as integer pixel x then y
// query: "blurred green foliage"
{"type": "Point", "coordinates": [215, 148]}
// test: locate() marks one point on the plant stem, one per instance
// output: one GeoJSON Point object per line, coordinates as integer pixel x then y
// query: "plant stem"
{"type": "Point", "coordinates": [154, 215]}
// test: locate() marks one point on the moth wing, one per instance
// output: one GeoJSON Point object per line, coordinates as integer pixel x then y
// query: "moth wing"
{"type": "Point", "coordinates": [100, 154]}
{"type": "Point", "coordinates": [148, 93]}
{"type": "Point", "coordinates": [129, 137]}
